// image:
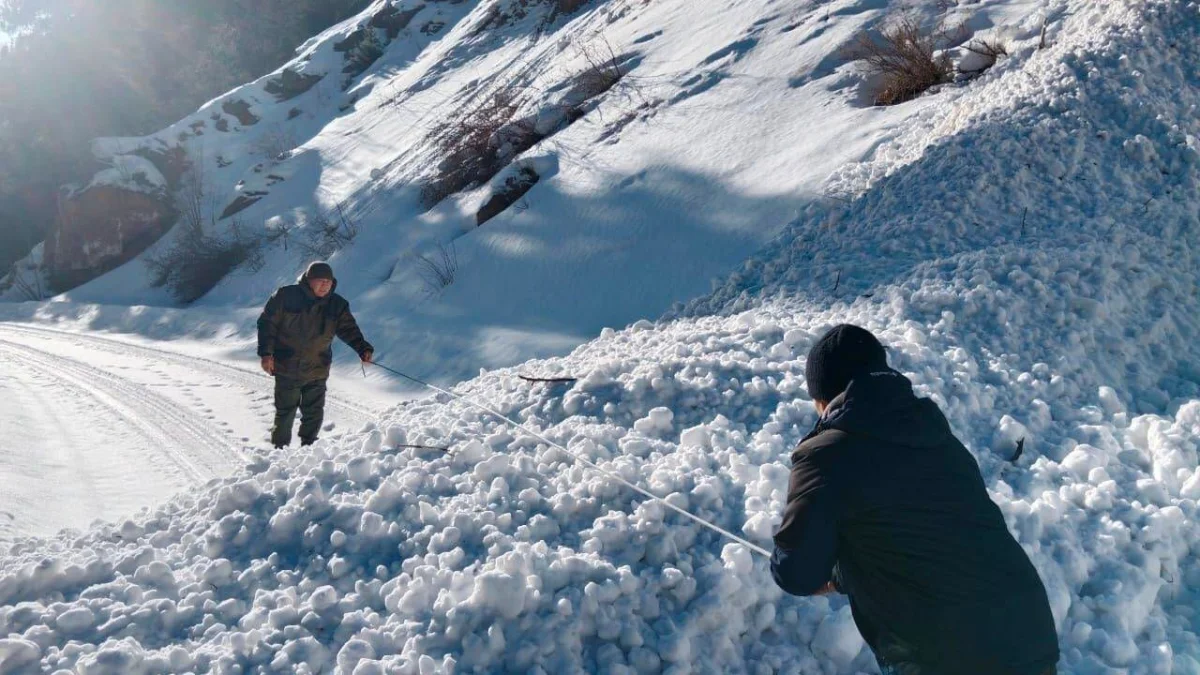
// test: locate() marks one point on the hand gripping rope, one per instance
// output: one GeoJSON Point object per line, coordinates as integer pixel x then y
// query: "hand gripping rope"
{"type": "Point", "coordinates": [584, 460]}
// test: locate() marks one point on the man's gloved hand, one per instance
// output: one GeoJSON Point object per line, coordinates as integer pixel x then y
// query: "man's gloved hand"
{"type": "Point", "coordinates": [368, 356]}
{"type": "Point", "coordinates": [268, 365]}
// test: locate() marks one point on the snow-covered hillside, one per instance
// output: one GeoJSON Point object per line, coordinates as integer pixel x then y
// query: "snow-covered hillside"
{"type": "Point", "coordinates": [1022, 243]}
{"type": "Point", "coordinates": [669, 145]}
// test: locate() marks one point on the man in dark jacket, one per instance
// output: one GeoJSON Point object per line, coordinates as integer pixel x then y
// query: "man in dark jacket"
{"type": "Point", "coordinates": [888, 507]}
{"type": "Point", "coordinates": [295, 341]}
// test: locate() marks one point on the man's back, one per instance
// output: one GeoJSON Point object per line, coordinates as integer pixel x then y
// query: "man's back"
{"type": "Point", "coordinates": [936, 582]}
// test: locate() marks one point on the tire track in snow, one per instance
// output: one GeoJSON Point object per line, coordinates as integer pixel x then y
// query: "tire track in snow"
{"type": "Point", "coordinates": [172, 430]}
{"type": "Point", "coordinates": [247, 379]}
{"type": "Point", "coordinates": [36, 399]}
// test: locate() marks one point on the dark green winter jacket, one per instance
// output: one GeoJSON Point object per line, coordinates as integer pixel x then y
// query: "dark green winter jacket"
{"type": "Point", "coordinates": [297, 328]}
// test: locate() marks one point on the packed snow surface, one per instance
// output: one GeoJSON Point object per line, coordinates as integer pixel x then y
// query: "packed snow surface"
{"type": "Point", "coordinates": [108, 426]}
{"type": "Point", "coordinates": [1025, 249]}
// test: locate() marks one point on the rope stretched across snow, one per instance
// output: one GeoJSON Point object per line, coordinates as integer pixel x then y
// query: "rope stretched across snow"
{"type": "Point", "coordinates": [584, 460]}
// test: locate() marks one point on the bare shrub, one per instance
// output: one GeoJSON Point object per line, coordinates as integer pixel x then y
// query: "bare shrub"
{"type": "Point", "coordinates": [281, 230]}
{"type": "Point", "coordinates": [488, 136]}
{"type": "Point", "coordinates": [499, 126]}
{"type": "Point", "coordinates": [477, 145]}
{"type": "Point", "coordinates": [328, 232]}
{"type": "Point", "coordinates": [603, 70]}
{"type": "Point", "coordinates": [903, 57]}
{"type": "Point", "coordinates": [197, 259]}
{"type": "Point", "coordinates": [250, 245]}
{"type": "Point", "coordinates": [29, 281]}
{"type": "Point", "coordinates": [191, 199]}
{"type": "Point", "coordinates": [988, 51]}
{"type": "Point", "coordinates": [276, 143]}
{"type": "Point", "coordinates": [195, 199]}
{"type": "Point", "coordinates": [439, 269]}
{"type": "Point", "coordinates": [196, 262]}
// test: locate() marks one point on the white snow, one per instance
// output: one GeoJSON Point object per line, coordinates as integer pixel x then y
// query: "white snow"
{"type": "Point", "coordinates": [131, 172]}
{"type": "Point", "coordinates": [1022, 242]}
{"type": "Point", "coordinates": [110, 426]}
{"type": "Point", "coordinates": [725, 126]}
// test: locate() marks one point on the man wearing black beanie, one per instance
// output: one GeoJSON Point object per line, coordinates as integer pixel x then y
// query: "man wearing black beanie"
{"type": "Point", "coordinates": [295, 343]}
{"type": "Point", "coordinates": [886, 506]}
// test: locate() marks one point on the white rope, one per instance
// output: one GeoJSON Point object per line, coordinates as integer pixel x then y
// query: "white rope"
{"type": "Point", "coordinates": [682, 512]}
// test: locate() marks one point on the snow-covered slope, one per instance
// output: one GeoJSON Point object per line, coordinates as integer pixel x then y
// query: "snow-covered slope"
{"type": "Point", "coordinates": [723, 126]}
{"type": "Point", "coordinates": [1023, 245]}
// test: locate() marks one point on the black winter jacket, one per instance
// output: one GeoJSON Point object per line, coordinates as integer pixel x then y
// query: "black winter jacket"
{"type": "Point", "coordinates": [297, 328]}
{"type": "Point", "coordinates": [887, 504]}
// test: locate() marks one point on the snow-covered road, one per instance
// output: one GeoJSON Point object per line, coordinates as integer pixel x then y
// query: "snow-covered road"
{"type": "Point", "coordinates": [99, 427]}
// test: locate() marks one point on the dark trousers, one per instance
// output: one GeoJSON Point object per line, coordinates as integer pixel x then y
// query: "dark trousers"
{"type": "Point", "coordinates": [309, 398]}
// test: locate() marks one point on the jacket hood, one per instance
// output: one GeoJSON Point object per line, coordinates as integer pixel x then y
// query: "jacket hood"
{"type": "Point", "coordinates": [882, 405]}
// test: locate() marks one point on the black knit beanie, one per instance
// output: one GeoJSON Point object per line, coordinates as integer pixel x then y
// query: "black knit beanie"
{"type": "Point", "coordinates": [319, 270]}
{"type": "Point", "coordinates": [842, 354]}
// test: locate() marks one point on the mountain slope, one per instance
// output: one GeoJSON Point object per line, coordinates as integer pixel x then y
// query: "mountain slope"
{"type": "Point", "coordinates": [668, 146]}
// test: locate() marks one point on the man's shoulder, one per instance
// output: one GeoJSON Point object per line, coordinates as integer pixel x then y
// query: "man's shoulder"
{"type": "Point", "coordinates": [823, 447]}
{"type": "Point", "coordinates": [338, 302]}
{"type": "Point", "coordinates": [291, 297]}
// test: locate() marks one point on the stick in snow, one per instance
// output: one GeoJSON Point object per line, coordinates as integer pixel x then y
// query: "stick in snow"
{"type": "Point", "coordinates": [419, 447]}
{"type": "Point", "coordinates": [1020, 449]}
{"type": "Point", "coordinates": [548, 379]}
